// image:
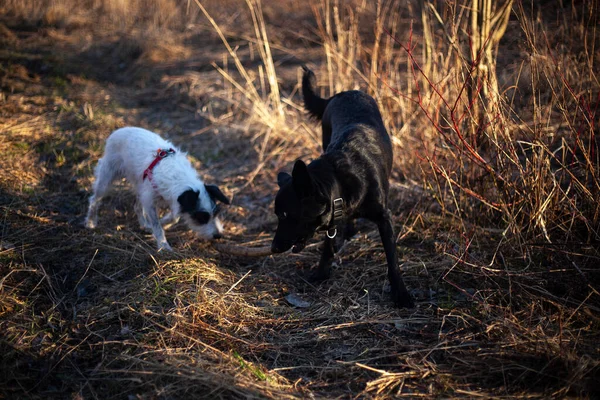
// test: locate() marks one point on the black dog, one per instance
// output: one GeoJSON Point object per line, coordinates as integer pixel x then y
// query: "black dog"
{"type": "Point", "coordinates": [350, 180]}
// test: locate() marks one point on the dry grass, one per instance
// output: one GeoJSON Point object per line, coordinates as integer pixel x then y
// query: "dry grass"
{"type": "Point", "coordinates": [495, 202]}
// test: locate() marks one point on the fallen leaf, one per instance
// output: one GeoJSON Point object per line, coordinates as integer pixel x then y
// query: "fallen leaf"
{"type": "Point", "coordinates": [297, 301]}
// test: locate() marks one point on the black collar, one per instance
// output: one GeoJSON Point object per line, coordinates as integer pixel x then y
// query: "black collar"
{"type": "Point", "coordinates": [337, 213]}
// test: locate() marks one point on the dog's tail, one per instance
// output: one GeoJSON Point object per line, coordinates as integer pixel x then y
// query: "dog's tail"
{"type": "Point", "coordinates": [313, 103]}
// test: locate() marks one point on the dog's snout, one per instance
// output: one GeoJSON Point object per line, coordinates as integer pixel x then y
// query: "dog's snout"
{"type": "Point", "coordinates": [217, 236]}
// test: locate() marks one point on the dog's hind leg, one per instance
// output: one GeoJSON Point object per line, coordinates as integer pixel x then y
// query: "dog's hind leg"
{"type": "Point", "coordinates": [106, 171]}
{"type": "Point", "coordinates": [139, 211]}
{"type": "Point", "coordinates": [146, 198]}
{"type": "Point", "coordinates": [399, 293]}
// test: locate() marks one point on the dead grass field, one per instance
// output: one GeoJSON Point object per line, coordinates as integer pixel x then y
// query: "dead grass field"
{"type": "Point", "coordinates": [497, 212]}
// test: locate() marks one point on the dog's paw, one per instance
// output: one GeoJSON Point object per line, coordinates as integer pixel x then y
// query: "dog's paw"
{"type": "Point", "coordinates": [403, 299]}
{"type": "Point", "coordinates": [90, 223]}
{"type": "Point", "coordinates": [145, 228]}
{"type": "Point", "coordinates": [163, 247]}
{"type": "Point", "coordinates": [319, 275]}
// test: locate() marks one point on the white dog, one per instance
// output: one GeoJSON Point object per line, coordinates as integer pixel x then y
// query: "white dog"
{"type": "Point", "coordinates": [158, 171]}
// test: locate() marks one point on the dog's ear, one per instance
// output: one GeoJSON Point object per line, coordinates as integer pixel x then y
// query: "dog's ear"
{"type": "Point", "coordinates": [188, 200]}
{"type": "Point", "coordinates": [301, 179]}
{"type": "Point", "coordinates": [215, 193]}
{"type": "Point", "coordinates": [283, 178]}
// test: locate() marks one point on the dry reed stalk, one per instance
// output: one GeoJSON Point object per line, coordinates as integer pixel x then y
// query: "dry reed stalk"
{"type": "Point", "coordinates": [265, 54]}
{"type": "Point", "coordinates": [488, 22]}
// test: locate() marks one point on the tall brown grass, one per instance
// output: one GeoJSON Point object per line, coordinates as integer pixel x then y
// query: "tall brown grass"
{"type": "Point", "coordinates": [530, 164]}
{"type": "Point", "coordinates": [119, 14]}
{"type": "Point", "coordinates": [521, 154]}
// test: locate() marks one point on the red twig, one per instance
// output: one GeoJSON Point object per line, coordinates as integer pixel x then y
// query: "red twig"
{"type": "Point", "coordinates": [416, 70]}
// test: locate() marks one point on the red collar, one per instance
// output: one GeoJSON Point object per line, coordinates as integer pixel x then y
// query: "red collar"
{"type": "Point", "coordinates": [160, 154]}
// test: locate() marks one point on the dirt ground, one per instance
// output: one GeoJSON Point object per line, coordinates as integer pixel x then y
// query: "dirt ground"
{"type": "Point", "coordinates": [101, 314]}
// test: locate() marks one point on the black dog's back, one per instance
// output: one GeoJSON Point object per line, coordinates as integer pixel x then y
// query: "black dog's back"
{"type": "Point", "coordinates": [345, 114]}
{"type": "Point", "coordinates": [350, 120]}
{"type": "Point", "coordinates": [345, 108]}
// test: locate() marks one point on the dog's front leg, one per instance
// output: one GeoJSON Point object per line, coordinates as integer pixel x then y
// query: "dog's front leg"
{"type": "Point", "coordinates": [149, 210]}
{"type": "Point", "coordinates": [350, 230]}
{"type": "Point", "coordinates": [169, 220]}
{"type": "Point", "coordinates": [324, 269]}
{"type": "Point", "coordinates": [399, 293]}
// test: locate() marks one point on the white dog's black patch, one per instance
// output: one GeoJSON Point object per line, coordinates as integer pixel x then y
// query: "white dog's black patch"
{"type": "Point", "coordinates": [189, 203]}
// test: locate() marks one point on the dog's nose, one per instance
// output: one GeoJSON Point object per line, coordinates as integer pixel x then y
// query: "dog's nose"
{"type": "Point", "coordinates": [217, 236]}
